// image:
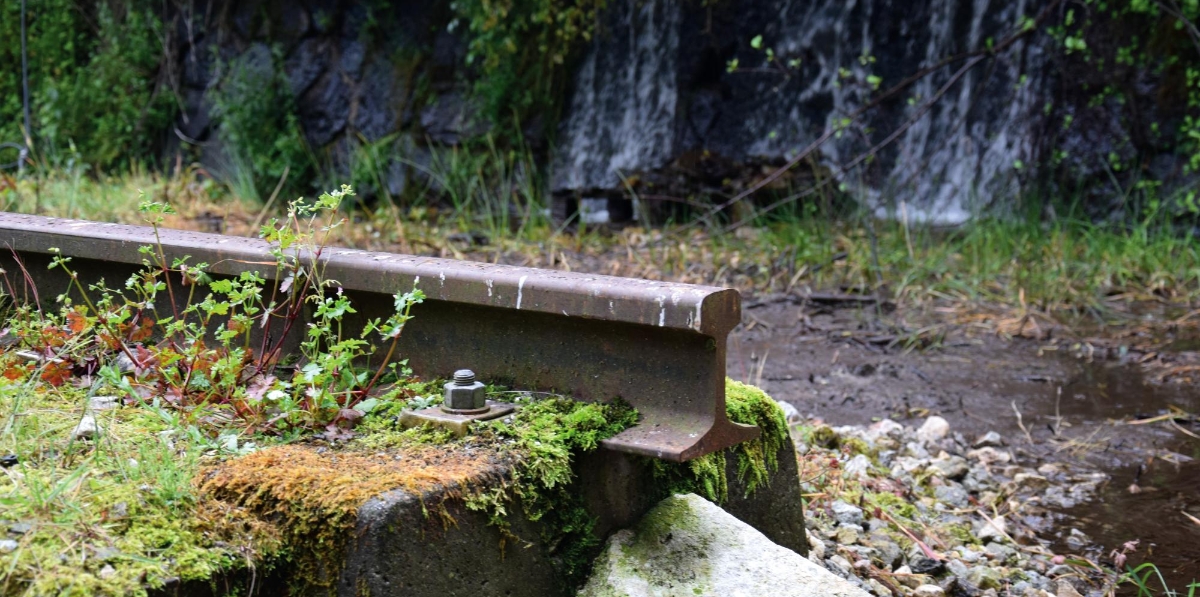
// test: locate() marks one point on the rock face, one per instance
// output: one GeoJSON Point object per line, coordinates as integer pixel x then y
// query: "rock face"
{"type": "Point", "coordinates": [688, 546]}
{"type": "Point", "coordinates": [695, 99]}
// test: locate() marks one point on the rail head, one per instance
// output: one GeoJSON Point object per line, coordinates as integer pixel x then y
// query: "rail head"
{"type": "Point", "coordinates": [658, 345]}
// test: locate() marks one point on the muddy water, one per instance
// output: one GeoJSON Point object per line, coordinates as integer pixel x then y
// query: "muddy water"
{"type": "Point", "coordinates": [1148, 500]}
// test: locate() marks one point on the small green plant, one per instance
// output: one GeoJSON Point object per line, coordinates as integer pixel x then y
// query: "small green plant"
{"type": "Point", "coordinates": [210, 348]}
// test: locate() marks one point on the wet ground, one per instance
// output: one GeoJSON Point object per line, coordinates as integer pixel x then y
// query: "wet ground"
{"type": "Point", "coordinates": [846, 364]}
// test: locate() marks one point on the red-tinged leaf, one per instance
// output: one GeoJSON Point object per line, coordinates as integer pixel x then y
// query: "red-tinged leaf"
{"type": "Point", "coordinates": [77, 322]}
{"type": "Point", "coordinates": [17, 371]}
{"type": "Point", "coordinates": [142, 330]}
{"type": "Point", "coordinates": [349, 415]}
{"type": "Point", "coordinates": [56, 372]}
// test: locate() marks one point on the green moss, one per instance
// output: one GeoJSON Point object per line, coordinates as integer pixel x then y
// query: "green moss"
{"type": "Point", "coordinates": [115, 516]}
{"type": "Point", "coordinates": [546, 436]}
{"type": "Point", "coordinates": [756, 459]}
{"type": "Point", "coordinates": [892, 503]}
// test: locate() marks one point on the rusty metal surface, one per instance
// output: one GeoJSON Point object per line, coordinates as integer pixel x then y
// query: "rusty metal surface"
{"type": "Point", "coordinates": [658, 345]}
{"type": "Point", "coordinates": [458, 422]}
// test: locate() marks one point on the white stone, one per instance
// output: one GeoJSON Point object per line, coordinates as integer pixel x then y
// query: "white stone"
{"type": "Point", "coordinates": [688, 546]}
{"type": "Point", "coordinates": [990, 456]}
{"type": "Point", "coordinates": [790, 414]}
{"type": "Point", "coordinates": [86, 429]}
{"type": "Point", "coordinates": [884, 428]}
{"type": "Point", "coordinates": [816, 547]}
{"type": "Point", "coordinates": [103, 402]}
{"type": "Point", "coordinates": [934, 429]}
{"type": "Point", "coordinates": [993, 530]}
{"type": "Point", "coordinates": [857, 467]}
{"type": "Point", "coordinates": [846, 513]}
{"type": "Point", "coordinates": [928, 591]}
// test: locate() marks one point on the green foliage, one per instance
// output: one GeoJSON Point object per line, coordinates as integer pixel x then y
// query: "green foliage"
{"type": "Point", "coordinates": [520, 48]}
{"type": "Point", "coordinates": [259, 125]}
{"type": "Point", "coordinates": [96, 83]}
{"type": "Point", "coordinates": [546, 436]}
{"type": "Point", "coordinates": [208, 367]}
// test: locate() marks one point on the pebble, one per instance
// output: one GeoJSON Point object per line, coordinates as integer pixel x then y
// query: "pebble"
{"type": "Point", "coordinates": [1030, 481]}
{"type": "Point", "coordinates": [994, 530]}
{"type": "Point", "coordinates": [103, 402]}
{"type": "Point", "coordinates": [934, 429]}
{"type": "Point", "coordinates": [942, 490]}
{"type": "Point", "coordinates": [1076, 539]}
{"type": "Point", "coordinates": [107, 571]}
{"type": "Point", "coordinates": [86, 429]}
{"type": "Point", "coordinates": [952, 494]}
{"type": "Point", "coordinates": [790, 414]}
{"type": "Point", "coordinates": [848, 534]}
{"type": "Point", "coordinates": [990, 439]}
{"type": "Point", "coordinates": [8, 545]}
{"type": "Point", "coordinates": [990, 456]}
{"type": "Point", "coordinates": [846, 513]}
{"type": "Point", "coordinates": [857, 467]}
{"type": "Point", "coordinates": [928, 591]}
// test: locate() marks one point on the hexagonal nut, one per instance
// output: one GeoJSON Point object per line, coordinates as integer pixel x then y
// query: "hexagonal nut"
{"type": "Point", "coordinates": [465, 397]}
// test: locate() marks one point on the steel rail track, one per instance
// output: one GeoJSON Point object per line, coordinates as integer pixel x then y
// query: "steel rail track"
{"type": "Point", "coordinates": [658, 345]}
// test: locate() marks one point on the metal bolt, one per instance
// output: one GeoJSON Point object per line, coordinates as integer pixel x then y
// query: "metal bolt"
{"type": "Point", "coordinates": [465, 394]}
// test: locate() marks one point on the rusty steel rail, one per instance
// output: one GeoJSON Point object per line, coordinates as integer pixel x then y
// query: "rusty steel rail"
{"type": "Point", "coordinates": [658, 345]}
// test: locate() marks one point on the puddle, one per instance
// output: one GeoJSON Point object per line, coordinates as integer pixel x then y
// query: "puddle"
{"type": "Point", "coordinates": [1153, 516]}
{"type": "Point", "coordinates": [1166, 472]}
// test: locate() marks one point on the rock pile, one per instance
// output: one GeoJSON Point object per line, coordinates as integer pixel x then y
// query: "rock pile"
{"type": "Point", "coordinates": [927, 512]}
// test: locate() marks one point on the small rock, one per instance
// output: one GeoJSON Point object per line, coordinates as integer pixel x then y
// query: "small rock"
{"type": "Point", "coordinates": [846, 513]}
{"type": "Point", "coordinates": [816, 547]}
{"type": "Point", "coordinates": [857, 467]}
{"type": "Point", "coordinates": [1030, 481]}
{"type": "Point", "coordinates": [20, 528]}
{"type": "Point", "coordinates": [842, 564]}
{"type": "Point", "coordinates": [934, 429]}
{"type": "Point", "coordinates": [884, 428]}
{"type": "Point", "coordinates": [107, 571]}
{"type": "Point", "coordinates": [1066, 590]}
{"type": "Point", "coordinates": [994, 530]}
{"type": "Point", "coordinates": [990, 439]}
{"type": "Point", "coordinates": [969, 555]}
{"type": "Point", "coordinates": [928, 591]}
{"type": "Point", "coordinates": [103, 402]}
{"type": "Point", "coordinates": [878, 588]}
{"type": "Point", "coordinates": [957, 568]}
{"type": "Point", "coordinates": [904, 575]}
{"type": "Point", "coordinates": [928, 566]}
{"type": "Point", "coordinates": [86, 429]}
{"type": "Point", "coordinates": [8, 460]}
{"type": "Point", "coordinates": [8, 545]}
{"type": "Point", "coordinates": [952, 494]}
{"type": "Point", "coordinates": [984, 577]}
{"type": "Point", "coordinates": [952, 467]}
{"type": "Point", "coordinates": [990, 456]}
{"type": "Point", "coordinates": [124, 363]}
{"type": "Point", "coordinates": [848, 534]}
{"type": "Point", "coordinates": [790, 414]}
{"type": "Point", "coordinates": [1076, 539]}
{"type": "Point", "coordinates": [1001, 552]}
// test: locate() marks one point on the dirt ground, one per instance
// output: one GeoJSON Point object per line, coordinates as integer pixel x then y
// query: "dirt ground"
{"type": "Point", "coordinates": [842, 364]}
